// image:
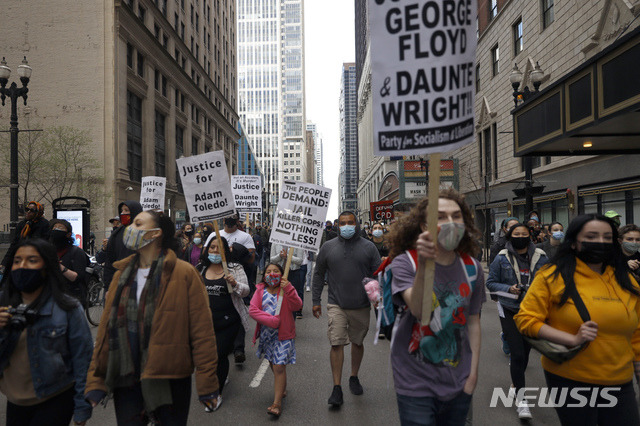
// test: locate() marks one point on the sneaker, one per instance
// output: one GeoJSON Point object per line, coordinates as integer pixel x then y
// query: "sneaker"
{"type": "Point", "coordinates": [307, 289]}
{"type": "Point", "coordinates": [381, 336]}
{"type": "Point", "coordinates": [336, 396]}
{"type": "Point", "coordinates": [299, 315]}
{"type": "Point", "coordinates": [505, 345]}
{"type": "Point", "coordinates": [523, 411]}
{"type": "Point", "coordinates": [239, 357]}
{"type": "Point", "coordinates": [354, 385]}
{"type": "Point", "coordinates": [215, 407]}
{"type": "Point", "coordinates": [226, 381]}
{"type": "Point", "coordinates": [512, 393]}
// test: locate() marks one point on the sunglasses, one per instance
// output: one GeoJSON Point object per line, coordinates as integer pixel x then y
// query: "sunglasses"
{"type": "Point", "coordinates": [27, 209]}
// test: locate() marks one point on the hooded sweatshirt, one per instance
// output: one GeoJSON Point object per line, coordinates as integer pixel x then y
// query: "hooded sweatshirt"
{"type": "Point", "coordinates": [116, 250]}
{"type": "Point", "coordinates": [346, 262]}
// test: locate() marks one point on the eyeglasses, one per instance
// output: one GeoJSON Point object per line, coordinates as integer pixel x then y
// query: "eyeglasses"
{"type": "Point", "coordinates": [27, 209]}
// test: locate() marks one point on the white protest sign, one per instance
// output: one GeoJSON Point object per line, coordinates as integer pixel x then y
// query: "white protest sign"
{"type": "Point", "coordinates": [205, 181]}
{"type": "Point", "coordinates": [152, 192]}
{"type": "Point", "coordinates": [300, 215]}
{"type": "Point", "coordinates": [422, 75]}
{"type": "Point", "coordinates": [247, 193]}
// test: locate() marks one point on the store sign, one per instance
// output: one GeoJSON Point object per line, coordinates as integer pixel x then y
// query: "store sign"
{"type": "Point", "coordinates": [415, 189]}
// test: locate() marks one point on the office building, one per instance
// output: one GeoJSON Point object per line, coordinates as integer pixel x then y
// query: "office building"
{"type": "Point", "coordinates": [348, 180]}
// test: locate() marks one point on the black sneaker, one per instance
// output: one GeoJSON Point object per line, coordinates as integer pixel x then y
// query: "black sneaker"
{"type": "Point", "coordinates": [336, 396]}
{"type": "Point", "coordinates": [354, 385]}
{"type": "Point", "coordinates": [239, 357]}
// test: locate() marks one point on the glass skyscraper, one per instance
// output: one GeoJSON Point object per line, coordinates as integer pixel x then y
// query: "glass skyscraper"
{"type": "Point", "coordinates": [348, 183]}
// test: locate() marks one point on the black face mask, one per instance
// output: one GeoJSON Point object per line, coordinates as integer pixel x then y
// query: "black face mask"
{"type": "Point", "coordinates": [59, 238]}
{"type": "Point", "coordinates": [519, 243]}
{"type": "Point", "coordinates": [188, 233]}
{"type": "Point", "coordinates": [27, 280]}
{"type": "Point", "coordinates": [595, 252]}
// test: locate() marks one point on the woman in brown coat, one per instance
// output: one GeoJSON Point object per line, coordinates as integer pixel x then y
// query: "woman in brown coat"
{"type": "Point", "coordinates": [156, 327]}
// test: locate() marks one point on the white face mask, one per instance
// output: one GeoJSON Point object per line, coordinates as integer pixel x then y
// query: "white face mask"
{"type": "Point", "coordinates": [450, 235]}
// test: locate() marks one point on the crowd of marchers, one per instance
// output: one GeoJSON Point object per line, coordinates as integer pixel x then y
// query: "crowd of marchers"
{"type": "Point", "coordinates": [180, 303]}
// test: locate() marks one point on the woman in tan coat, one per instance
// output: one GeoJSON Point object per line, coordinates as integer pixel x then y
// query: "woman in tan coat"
{"type": "Point", "coordinates": [156, 327]}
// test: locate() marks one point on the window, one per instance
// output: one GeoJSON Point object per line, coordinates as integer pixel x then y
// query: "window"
{"type": "Point", "coordinates": [156, 79]}
{"type": "Point", "coordinates": [495, 60]}
{"type": "Point", "coordinates": [176, 98]}
{"type": "Point", "coordinates": [176, 21]}
{"type": "Point", "coordinates": [142, 12]}
{"type": "Point", "coordinates": [134, 136]}
{"type": "Point", "coordinates": [477, 78]}
{"type": "Point", "coordinates": [140, 66]}
{"type": "Point", "coordinates": [165, 41]}
{"type": "Point", "coordinates": [156, 31]}
{"type": "Point", "coordinates": [164, 86]}
{"type": "Point", "coordinates": [160, 157]}
{"type": "Point", "coordinates": [547, 13]}
{"type": "Point", "coordinates": [493, 9]}
{"type": "Point", "coordinates": [129, 55]}
{"type": "Point", "coordinates": [182, 31]}
{"type": "Point", "coordinates": [488, 147]}
{"type": "Point", "coordinates": [194, 145]}
{"type": "Point", "coordinates": [517, 37]}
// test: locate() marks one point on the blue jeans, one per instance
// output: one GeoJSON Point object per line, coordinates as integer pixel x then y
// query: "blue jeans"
{"type": "Point", "coordinates": [420, 411]}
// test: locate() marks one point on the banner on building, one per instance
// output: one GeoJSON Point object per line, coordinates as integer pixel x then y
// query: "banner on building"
{"type": "Point", "coordinates": [300, 215]}
{"type": "Point", "coordinates": [206, 186]}
{"type": "Point", "coordinates": [247, 193]}
{"type": "Point", "coordinates": [422, 75]}
{"type": "Point", "coordinates": [152, 192]}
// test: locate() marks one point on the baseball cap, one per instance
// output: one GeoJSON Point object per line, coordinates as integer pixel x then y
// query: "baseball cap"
{"type": "Point", "coordinates": [612, 214]}
{"type": "Point", "coordinates": [113, 219]}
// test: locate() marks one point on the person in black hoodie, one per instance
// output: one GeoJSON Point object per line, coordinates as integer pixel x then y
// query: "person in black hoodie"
{"type": "Point", "coordinates": [34, 225]}
{"type": "Point", "coordinates": [116, 249]}
{"type": "Point", "coordinates": [73, 260]}
{"type": "Point", "coordinates": [346, 260]}
{"type": "Point", "coordinates": [501, 241]}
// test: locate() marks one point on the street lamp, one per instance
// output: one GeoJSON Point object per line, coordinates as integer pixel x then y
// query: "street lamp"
{"type": "Point", "coordinates": [536, 75]}
{"type": "Point", "coordinates": [13, 93]}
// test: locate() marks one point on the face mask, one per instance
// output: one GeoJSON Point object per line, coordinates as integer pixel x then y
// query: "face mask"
{"type": "Point", "coordinates": [189, 233]}
{"type": "Point", "coordinates": [595, 252]}
{"type": "Point", "coordinates": [27, 280]}
{"type": "Point", "coordinates": [347, 231]}
{"type": "Point", "coordinates": [205, 231]}
{"type": "Point", "coordinates": [215, 258]}
{"type": "Point", "coordinates": [630, 247]}
{"type": "Point", "coordinates": [133, 238]}
{"type": "Point", "coordinates": [534, 218]}
{"type": "Point", "coordinates": [272, 279]}
{"type": "Point", "coordinates": [519, 243]}
{"type": "Point", "coordinates": [450, 235]}
{"type": "Point", "coordinates": [328, 227]}
{"type": "Point", "coordinates": [377, 233]}
{"type": "Point", "coordinates": [125, 219]}
{"type": "Point", "coordinates": [59, 237]}
{"type": "Point", "coordinates": [557, 235]}
{"type": "Point", "coordinates": [197, 241]}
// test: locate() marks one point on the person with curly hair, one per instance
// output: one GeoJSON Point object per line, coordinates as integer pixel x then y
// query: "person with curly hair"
{"type": "Point", "coordinates": [435, 367]}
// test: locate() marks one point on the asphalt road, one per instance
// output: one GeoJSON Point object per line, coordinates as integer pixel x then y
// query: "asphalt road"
{"type": "Point", "coordinates": [309, 385]}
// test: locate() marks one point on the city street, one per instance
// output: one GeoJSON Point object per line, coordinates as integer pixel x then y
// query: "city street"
{"type": "Point", "coordinates": [309, 384]}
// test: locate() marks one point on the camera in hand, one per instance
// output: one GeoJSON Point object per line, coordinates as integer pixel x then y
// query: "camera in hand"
{"type": "Point", "coordinates": [523, 290]}
{"type": "Point", "coordinates": [22, 316]}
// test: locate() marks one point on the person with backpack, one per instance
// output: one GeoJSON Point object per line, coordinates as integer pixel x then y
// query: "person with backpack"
{"type": "Point", "coordinates": [435, 367]}
{"type": "Point", "coordinates": [510, 275]}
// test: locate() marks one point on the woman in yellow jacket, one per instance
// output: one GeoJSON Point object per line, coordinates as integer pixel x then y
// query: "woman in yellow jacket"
{"type": "Point", "coordinates": [589, 260]}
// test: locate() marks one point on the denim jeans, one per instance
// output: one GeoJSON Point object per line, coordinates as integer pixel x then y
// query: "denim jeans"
{"type": "Point", "coordinates": [421, 411]}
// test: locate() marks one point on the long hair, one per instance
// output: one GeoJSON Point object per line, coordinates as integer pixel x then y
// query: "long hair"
{"type": "Point", "coordinates": [165, 224]}
{"type": "Point", "coordinates": [405, 231]}
{"type": "Point", "coordinates": [54, 283]}
{"type": "Point", "coordinates": [565, 258]}
{"type": "Point", "coordinates": [204, 255]}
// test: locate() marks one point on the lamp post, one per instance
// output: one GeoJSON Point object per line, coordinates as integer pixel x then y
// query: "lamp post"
{"type": "Point", "coordinates": [515, 78]}
{"type": "Point", "coordinates": [13, 93]}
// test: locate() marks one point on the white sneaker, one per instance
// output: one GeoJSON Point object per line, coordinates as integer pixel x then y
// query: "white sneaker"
{"type": "Point", "coordinates": [512, 393]}
{"type": "Point", "coordinates": [226, 381]}
{"type": "Point", "coordinates": [215, 407]}
{"type": "Point", "coordinates": [523, 411]}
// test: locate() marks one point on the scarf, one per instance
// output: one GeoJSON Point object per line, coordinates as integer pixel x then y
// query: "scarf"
{"type": "Point", "coordinates": [129, 330]}
{"type": "Point", "coordinates": [26, 231]}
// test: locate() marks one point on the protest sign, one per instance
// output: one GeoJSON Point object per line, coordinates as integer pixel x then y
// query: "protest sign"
{"type": "Point", "coordinates": [300, 215]}
{"type": "Point", "coordinates": [206, 186]}
{"type": "Point", "coordinates": [247, 193]}
{"type": "Point", "coordinates": [152, 192]}
{"type": "Point", "coordinates": [422, 75]}
{"type": "Point", "coordinates": [381, 210]}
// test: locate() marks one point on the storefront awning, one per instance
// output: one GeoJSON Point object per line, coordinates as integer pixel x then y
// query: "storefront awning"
{"type": "Point", "coordinates": [594, 109]}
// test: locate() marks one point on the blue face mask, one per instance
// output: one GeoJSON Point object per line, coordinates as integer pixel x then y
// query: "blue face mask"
{"type": "Point", "coordinates": [347, 231]}
{"type": "Point", "coordinates": [558, 235]}
{"type": "Point", "coordinates": [215, 258]}
{"type": "Point", "coordinates": [197, 241]}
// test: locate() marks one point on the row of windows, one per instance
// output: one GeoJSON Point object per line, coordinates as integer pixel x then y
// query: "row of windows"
{"type": "Point", "coordinates": [546, 8]}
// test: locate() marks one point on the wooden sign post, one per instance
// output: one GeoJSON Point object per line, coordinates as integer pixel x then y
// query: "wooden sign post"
{"type": "Point", "coordinates": [223, 254]}
{"type": "Point", "coordinates": [432, 227]}
{"type": "Point", "coordinates": [287, 267]}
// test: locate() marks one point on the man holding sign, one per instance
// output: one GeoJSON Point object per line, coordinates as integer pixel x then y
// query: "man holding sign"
{"type": "Point", "coordinates": [345, 260]}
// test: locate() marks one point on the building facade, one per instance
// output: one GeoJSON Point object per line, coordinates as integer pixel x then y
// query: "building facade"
{"type": "Point", "coordinates": [247, 163]}
{"type": "Point", "coordinates": [560, 37]}
{"type": "Point", "coordinates": [318, 162]}
{"type": "Point", "coordinates": [348, 180]}
{"type": "Point", "coordinates": [149, 81]}
{"type": "Point", "coordinates": [271, 87]}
